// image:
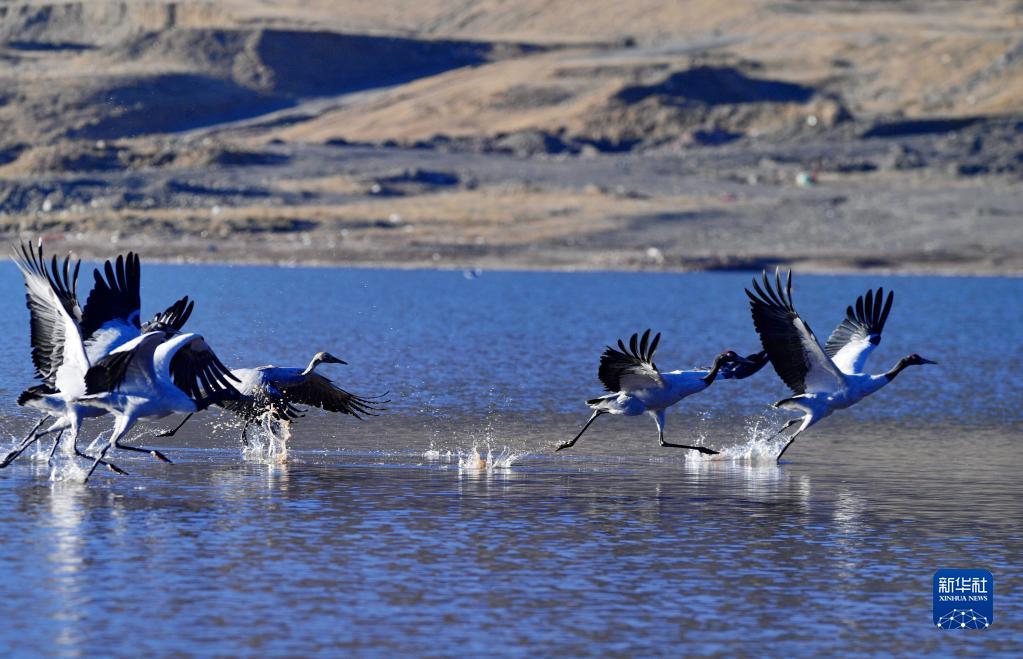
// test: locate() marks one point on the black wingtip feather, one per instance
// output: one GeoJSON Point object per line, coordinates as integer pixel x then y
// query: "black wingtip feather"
{"type": "Point", "coordinates": [866, 318]}
{"type": "Point", "coordinates": [640, 352]}
{"type": "Point", "coordinates": [115, 294]}
{"type": "Point", "coordinates": [172, 319]}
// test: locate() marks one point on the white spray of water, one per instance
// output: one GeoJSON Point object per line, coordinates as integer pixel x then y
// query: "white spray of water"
{"type": "Point", "coordinates": [41, 450]}
{"type": "Point", "coordinates": [65, 466]}
{"type": "Point", "coordinates": [475, 460]}
{"type": "Point", "coordinates": [434, 454]}
{"type": "Point", "coordinates": [480, 457]}
{"type": "Point", "coordinates": [268, 441]}
{"type": "Point", "coordinates": [761, 444]}
{"type": "Point", "coordinates": [58, 464]}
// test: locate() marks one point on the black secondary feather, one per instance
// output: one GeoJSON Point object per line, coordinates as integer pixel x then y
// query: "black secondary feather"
{"type": "Point", "coordinates": [108, 373]}
{"type": "Point", "coordinates": [252, 408]}
{"type": "Point", "coordinates": [864, 322]}
{"type": "Point", "coordinates": [115, 294]}
{"type": "Point", "coordinates": [778, 325]}
{"type": "Point", "coordinates": [637, 359]}
{"type": "Point", "coordinates": [319, 391]}
{"type": "Point", "coordinates": [38, 391]}
{"type": "Point", "coordinates": [202, 376]}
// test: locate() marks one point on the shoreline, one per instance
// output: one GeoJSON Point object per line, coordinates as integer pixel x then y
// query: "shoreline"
{"type": "Point", "coordinates": [298, 258]}
{"type": "Point", "coordinates": [411, 208]}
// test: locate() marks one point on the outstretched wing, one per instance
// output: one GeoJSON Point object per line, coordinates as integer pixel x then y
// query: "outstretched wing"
{"type": "Point", "coordinates": [54, 311]}
{"type": "Point", "coordinates": [793, 349]}
{"type": "Point", "coordinates": [741, 371]}
{"type": "Point", "coordinates": [197, 371]}
{"type": "Point", "coordinates": [265, 399]}
{"type": "Point", "coordinates": [318, 391]}
{"type": "Point", "coordinates": [631, 368]}
{"type": "Point", "coordinates": [172, 319]}
{"type": "Point", "coordinates": [111, 315]}
{"type": "Point", "coordinates": [855, 338]}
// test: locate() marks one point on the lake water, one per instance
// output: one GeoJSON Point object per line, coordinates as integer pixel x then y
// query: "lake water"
{"type": "Point", "coordinates": [373, 539]}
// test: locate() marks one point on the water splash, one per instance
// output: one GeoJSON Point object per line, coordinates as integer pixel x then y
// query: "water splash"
{"type": "Point", "coordinates": [268, 441]}
{"type": "Point", "coordinates": [41, 450]}
{"type": "Point", "coordinates": [475, 460]}
{"type": "Point", "coordinates": [65, 466]}
{"type": "Point", "coordinates": [479, 460]}
{"type": "Point", "coordinates": [761, 444]}
{"type": "Point", "coordinates": [434, 454]}
{"type": "Point", "coordinates": [53, 457]}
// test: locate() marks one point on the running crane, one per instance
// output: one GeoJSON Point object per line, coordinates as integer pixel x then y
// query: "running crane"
{"type": "Point", "coordinates": [822, 379]}
{"type": "Point", "coordinates": [154, 376]}
{"type": "Point", "coordinates": [637, 387]}
{"type": "Point", "coordinates": [110, 319]}
{"type": "Point", "coordinates": [277, 390]}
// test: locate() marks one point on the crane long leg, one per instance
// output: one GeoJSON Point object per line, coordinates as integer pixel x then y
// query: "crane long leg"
{"type": "Point", "coordinates": [701, 449]}
{"type": "Point", "coordinates": [788, 424]}
{"type": "Point", "coordinates": [170, 433]}
{"type": "Point", "coordinates": [29, 440]}
{"type": "Point", "coordinates": [14, 454]}
{"type": "Point", "coordinates": [56, 442]}
{"type": "Point", "coordinates": [78, 452]}
{"type": "Point", "coordinates": [121, 426]}
{"type": "Point", "coordinates": [109, 465]}
{"type": "Point", "coordinates": [792, 438]}
{"type": "Point", "coordinates": [659, 418]}
{"type": "Point", "coordinates": [787, 445]}
{"type": "Point", "coordinates": [245, 436]}
{"type": "Point", "coordinates": [575, 439]}
{"type": "Point", "coordinates": [98, 459]}
{"type": "Point", "coordinates": [140, 449]}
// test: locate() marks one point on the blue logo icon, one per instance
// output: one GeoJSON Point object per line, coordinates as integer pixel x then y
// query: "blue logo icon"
{"type": "Point", "coordinates": [964, 599]}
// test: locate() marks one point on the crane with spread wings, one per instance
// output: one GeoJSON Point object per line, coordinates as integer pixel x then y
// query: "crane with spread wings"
{"type": "Point", "coordinates": [638, 387]}
{"type": "Point", "coordinates": [828, 378]}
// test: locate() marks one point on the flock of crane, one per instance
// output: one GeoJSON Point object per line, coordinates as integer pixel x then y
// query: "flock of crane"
{"type": "Point", "coordinates": [822, 378]}
{"type": "Point", "coordinates": [101, 359]}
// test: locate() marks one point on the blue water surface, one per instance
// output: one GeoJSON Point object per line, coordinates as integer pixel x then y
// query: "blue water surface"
{"type": "Point", "coordinates": [372, 539]}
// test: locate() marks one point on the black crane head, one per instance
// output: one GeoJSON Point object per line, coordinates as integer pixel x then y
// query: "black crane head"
{"type": "Point", "coordinates": [732, 357]}
{"type": "Point", "coordinates": [748, 366]}
{"type": "Point", "coordinates": [917, 360]}
{"type": "Point", "coordinates": [911, 360]}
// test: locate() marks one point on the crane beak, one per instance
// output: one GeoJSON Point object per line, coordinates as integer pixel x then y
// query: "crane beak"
{"type": "Point", "coordinates": [331, 359]}
{"type": "Point", "coordinates": [743, 360]}
{"type": "Point", "coordinates": [927, 361]}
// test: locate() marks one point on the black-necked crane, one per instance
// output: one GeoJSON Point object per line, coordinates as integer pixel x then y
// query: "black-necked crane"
{"type": "Point", "coordinates": [638, 387]}
{"type": "Point", "coordinates": [66, 339]}
{"type": "Point", "coordinates": [152, 377]}
{"type": "Point", "coordinates": [823, 379]}
{"type": "Point", "coordinates": [278, 390]}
